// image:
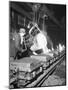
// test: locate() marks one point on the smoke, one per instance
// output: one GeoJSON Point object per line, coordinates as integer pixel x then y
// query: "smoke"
{"type": "Point", "coordinates": [49, 41]}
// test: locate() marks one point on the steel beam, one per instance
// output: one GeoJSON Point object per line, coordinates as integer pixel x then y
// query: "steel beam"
{"type": "Point", "coordinates": [20, 10]}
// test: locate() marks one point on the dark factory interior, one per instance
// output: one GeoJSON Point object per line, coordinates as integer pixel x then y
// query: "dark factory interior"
{"type": "Point", "coordinates": [54, 23]}
{"type": "Point", "coordinates": [37, 44]}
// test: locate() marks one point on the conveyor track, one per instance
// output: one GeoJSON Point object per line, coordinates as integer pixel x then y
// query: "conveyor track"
{"type": "Point", "coordinates": [40, 80]}
{"type": "Point", "coordinates": [44, 76]}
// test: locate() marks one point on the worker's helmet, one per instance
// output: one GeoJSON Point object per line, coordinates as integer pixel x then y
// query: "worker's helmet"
{"type": "Point", "coordinates": [22, 30]}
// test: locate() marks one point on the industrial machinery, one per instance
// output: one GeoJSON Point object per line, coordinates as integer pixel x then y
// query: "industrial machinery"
{"type": "Point", "coordinates": [24, 70]}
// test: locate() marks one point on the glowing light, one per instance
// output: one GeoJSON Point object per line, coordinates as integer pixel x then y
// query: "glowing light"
{"type": "Point", "coordinates": [52, 49]}
{"type": "Point", "coordinates": [61, 47]}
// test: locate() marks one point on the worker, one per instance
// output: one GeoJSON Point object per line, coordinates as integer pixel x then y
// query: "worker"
{"type": "Point", "coordinates": [22, 33]}
{"type": "Point", "coordinates": [19, 43]}
{"type": "Point", "coordinates": [40, 41]}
